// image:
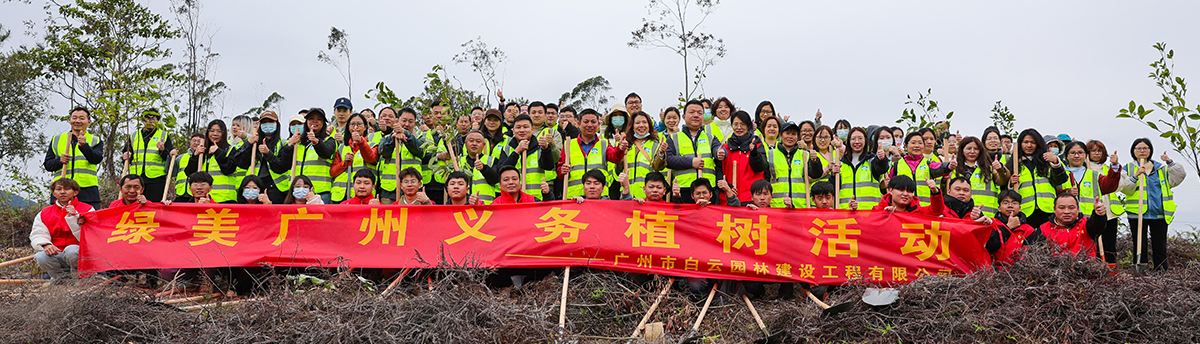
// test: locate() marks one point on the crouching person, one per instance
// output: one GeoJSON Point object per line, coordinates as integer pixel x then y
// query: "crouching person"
{"type": "Point", "coordinates": [55, 232]}
{"type": "Point", "coordinates": [1070, 231]}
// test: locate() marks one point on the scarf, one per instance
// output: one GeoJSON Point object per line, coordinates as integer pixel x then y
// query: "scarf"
{"type": "Point", "coordinates": [743, 143]}
{"type": "Point", "coordinates": [960, 208]}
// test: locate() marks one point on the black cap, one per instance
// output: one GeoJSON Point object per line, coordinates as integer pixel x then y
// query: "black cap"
{"type": "Point", "coordinates": [342, 102]}
{"type": "Point", "coordinates": [316, 112]}
{"type": "Point", "coordinates": [789, 125]}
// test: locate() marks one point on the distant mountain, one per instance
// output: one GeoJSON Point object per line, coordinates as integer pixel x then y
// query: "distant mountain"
{"type": "Point", "coordinates": [7, 198]}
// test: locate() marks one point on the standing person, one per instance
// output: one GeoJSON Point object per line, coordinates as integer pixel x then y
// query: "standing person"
{"type": "Point", "coordinates": [616, 122]}
{"type": "Point", "coordinates": [670, 121]}
{"type": "Point", "coordinates": [77, 152]}
{"type": "Point", "coordinates": [1097, 158]}
{"type": "Point", "coordinates": [985, 175]}
{"type": "Point", "coordinates": [342, 108]}
{"type": "Point", "coordinates": [643, 150]}
{"type": "Point", "coordinates": [841, 129]}
{"type": "Point", "coordinates": [1149, 186]}
{"type": "Point", "coordinates": [764, 111]}
{"type": "Point", "coordinates": [690, 153]}
{"type": "Point", "coordinates": [363, 188]}
{"type": "Point", "coordinates": [825, 146]}
{"type": "Point", "coordinates": [549, 139]}
{"type": "Point", "coordinates": [270, 167]}
{"type": "Point", "coordinates": [355, 154]}
{"type": "Point", "coordinates": [130, 191]}
{"type": "Point", "coordinates": [479, 164]}
{"type": "Point", "coordinates": [930, 148]}
{"type": "Point", "coordinates": [510, 110]}
{"type": "Point", "coordinates": [410, 153]}
{"type": "Point", "coordinates": [55, 232]}
{"type": "Point", "coordinates": [633, 102]}
{"type": "Point", "coordinates": [860, 173]}
{"type": "Point", "coordinates": [993, 146]}
{"type": "Point", "coordinates": [568, 122]}
{"type": "Point", "coordinates": [768, 131]}
{"type": "Point", "coordinates": [742, 156]}
{"type": "Point", "coordinates": [1006, 143]}
{"type": "Point", "coordinates": [301, 192]}
{"type": "Point", "coordinates": [1055, 145]}
{"type": "Point", "coordinates": [493, 128]}
{"type": "Point", "coordinates": [240, 129]}
{"type": "Point", "coordinates": [723, 112]}
{"type": "Point", "coordinates": [1086, 184]}
{"type": "Point", "coordinates": [216, 163]}
{"type": "Point", "coordinates": [372, 122]}
{"type": "Point", "coordinates": [918, 166]}
{"type": "Point", "coordinates": [251, 191]}
{"type": "Point", "coordinates": [1040, 177]}
{"type": "Point", "coordinates": [314, 153]}
{"type": "Point", "coordinates": [790, 163]}
{"type": "Point", "coordinates": [523, 150]}
{"type": "Point", "coordinates": [807, 130]}
{"type": "Point", "coordinates": [148, 152]}
{"type": "Point", "coordinates": [182, 192]}
{"type": "Point", "coordinates": [1069, 230]}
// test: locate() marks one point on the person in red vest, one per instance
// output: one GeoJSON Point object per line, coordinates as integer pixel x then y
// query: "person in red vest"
{"type": "Point", "coordinates": [743, 152]}
{"type": "Point", "coordinates": [131, 191]}
{"type": "Point", "coordinates": [364, 188]}
{"type": "Point", "coordinates": [55, 232]}
{"type": "Point", "coordinates": [1069, 230]}
{"type": "Point", "coordinates": [1014, 229]}
{"type": "Point", "coordinates": [510, 187]}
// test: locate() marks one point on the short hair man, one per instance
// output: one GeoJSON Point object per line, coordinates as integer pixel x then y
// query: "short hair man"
{"type": "Point", "coordinates": [55, 232]}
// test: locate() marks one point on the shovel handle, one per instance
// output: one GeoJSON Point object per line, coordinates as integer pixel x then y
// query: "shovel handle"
{"type": "Point", "coordinates": [815, 299]}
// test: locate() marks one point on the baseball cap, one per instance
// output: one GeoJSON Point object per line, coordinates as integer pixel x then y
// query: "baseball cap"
{"type": "Point", "coordinates": [343, 102]}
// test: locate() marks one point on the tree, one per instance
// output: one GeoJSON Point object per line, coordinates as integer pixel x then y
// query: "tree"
{"type": "Point", "coordinates": [23, 108]}
{"type": "Point", "coordinates": [674, 30]}
{"type": "Point", "coordinates": [591, 93]}
{"type": "Point", "coordinates": [930, 113]}
{"type": "Point", "coordinates": [273, 101]}
{"type": "Point", "coordinates": [339, 44]}
{"type": "Point", "coordinates": [438, 86]}
{"type": "Point", "coordinates": [198, 89]}
{"type": "Point", "coordinates": [483, 60]}
{"type": "Point", "coordinates": [1178, 126]}
{"type": "Point", "coordinates": [109, 56]}
{"type": "Point", "coordinates": [1004, 120]}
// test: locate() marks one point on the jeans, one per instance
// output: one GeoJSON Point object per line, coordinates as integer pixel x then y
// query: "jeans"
{"type": "Point", "coordinates": [62, 265]}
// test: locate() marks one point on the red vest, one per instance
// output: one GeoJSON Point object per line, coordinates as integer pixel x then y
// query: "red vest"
{"type": "Point", "coordinates": [745, 175]}
{"type": "Point", "coordinates": [53, 218]}
{"type": "Point", "coordinates": [1009, 253]}
{"type": "Point", "coordinates": [1073, 239]}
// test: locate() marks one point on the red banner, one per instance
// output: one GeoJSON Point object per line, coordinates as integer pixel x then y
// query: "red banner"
{"type": "Point", "coordinates": [803, 245]}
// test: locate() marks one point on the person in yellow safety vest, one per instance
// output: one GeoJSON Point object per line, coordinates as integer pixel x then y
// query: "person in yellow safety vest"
{"type": "Point", "coordinates": [435, 167]}
{"type": "Point", "coordinates": [930, 147]}
{"type": "Point", "coordinates": [78, 152]}
{"type": "Point", "coordinates": [1098, 159]}
{"type": "Point", "coordinates": [1149, 186]}
{"type": "Point", "coordinates": [478, 164]}
{"type": "Point", "coordinates": [385, 122]}
{"type": "Point", "coordinates": [524, 150]}
{"type": "Point", "coordinates": [983, 173]}
{"type": "Point", "coordinates": [789, 161]}
{"type": "Point", "coordinates": [860, 173]}
{"type": "Point", "coordinates": [410, 154]}
{"type": "Point", "coordinates": [313, 152]}
{"type": "Point", "coordinates": [691, 154]}
{"type": "Point", "coordinates": [240, 129]}
{"type": "Point", "coordinates": [807, 131]}
{"type": "Point", "coordinates": [148, 152]}
{"type": "Point", "coordinates": [217, 163]}
{"type": "Point", "coordinates": [617, 122]}
{"type": "Point", "coordinates": [919, 166]}
{"type": "Point", "coordinates": [655, 188]}
{"type": "Point", "coordinates": [493, 130]}
{"type": "Point", "coordinates": [1087, 185]}
{"type": "Point", "coordinates": [722, 124]}
{"type": "Point", "coordinates": [355, 153]}
{"type": "Point", "coordinates": [825, 145]}
{"type": "Point", "coordinates": [182, 191]}
{"type": "Point", "coordinates": [1040, 177]}
{"type": "Point", "coordinates": [587, 152]}
{"type": "Point", "coordinates": [993, 145]}
{"type": "Point", "coordinates": [264, 147]}
{"type": "Point", "coordinates": [544, 129]}
{"type": "Point", "coordinates": [643, 151]}
{"type": "Point", "coordinates": [342, 109]}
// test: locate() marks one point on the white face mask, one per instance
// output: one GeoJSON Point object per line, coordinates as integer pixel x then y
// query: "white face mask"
{"type": "Point", "coordinates": [885, 144]}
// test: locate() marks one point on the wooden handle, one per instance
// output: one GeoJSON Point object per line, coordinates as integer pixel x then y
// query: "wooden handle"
{"type": "Point", "coordinates": [642, 325]}
{"type": "Point", "coordinates": [704, 310]}
{"type": "Point", "coordinates": [754, 312]}
{"type": "Point", "coordinates": [17, 261]}
{"type": "Point", "coordinates": [253, 158]}
{"type": "Point", "coordinates": [170, 173]}
{"type": "Point", "coordinates": [562, 306]}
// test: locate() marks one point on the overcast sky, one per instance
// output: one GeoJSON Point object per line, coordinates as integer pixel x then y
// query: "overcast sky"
{"type": "Point", "coordinates": [1059, 66]}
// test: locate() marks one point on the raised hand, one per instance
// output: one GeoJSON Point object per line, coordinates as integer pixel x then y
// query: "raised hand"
{"type": "Point", "coordinates": [996, 165]}
{"type": "Point", "coordinates": [312, 137]}
{"type": "Point", "coordinates": [1074, 191]}
{"type": "Point", "coordinates": [479, 164]}
{"type": "Point", "coordinates": [976, 213]}
{"type": "Point", "coordinates": [1099, 209]}
{"type": "Point", "coordinates": [545, 188]}
{"type": "Point", "coordinates": [293, 140]}
{"type": "Point", "coordinates": [354, 137]}
{"type": "Point", "coordinates": [473, 200]}
{"type": "Point", "coordinates": [1013, 221]}
{"type": "Point", "coordinates": [522, 146]}
{"type": "Point", "coordinates": [675, 189]}
{"type": "Point", "coordinates": [262, 198]}
{"type": "Point", "coordinates": [1050, 157]}
{"type": "Point", "coordinates": [212, 149]}
{"type": "Point", "coordinates": [126, 155]}
{"type": "Point", "coordinates": [721, 153]}
{"type": "Point", "coordinates": [161, 145]}
{"type": "Point", "coordinates": [262, 149]}
{"type": "Point", "coordinates": [373, 201]}
{"type": "Point", "coordinates": [399, 135]}
{"type": "Point", "coordinates": [1113, 158]}
{"type": "Point", "coordinates": [1166, 158]}
{"type": "Point", "coordinates": [853, 204]}
{"type": "Point", "coordinates": [544, 140]}
{"type": "Point", "coordinates": [818, 119]}
{"type": "Point", "coordinates": [953, 164]}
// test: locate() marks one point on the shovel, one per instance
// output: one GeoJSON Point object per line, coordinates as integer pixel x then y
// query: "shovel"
{"type": "Point", "coordinates": [880, 296]}
{"type": "Point", "coordinates": [828, 310]}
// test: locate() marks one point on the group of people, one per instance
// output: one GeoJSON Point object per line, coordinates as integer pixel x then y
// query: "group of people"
{"type": "Point", "coordinates": [1031, 188]}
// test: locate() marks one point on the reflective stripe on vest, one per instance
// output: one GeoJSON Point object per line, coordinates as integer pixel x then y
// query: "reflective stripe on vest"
{"type": "Point", "coordinates": [479, 185]}
{"type": "Point", "coordinates": [789, 178]}
{"type": "Point", "coordinates": [580, 164]}
{"type": "Point", "coordinates": [859, 185]}
{"type": "Point", "coordinates": [223, 189]}
{"type": "Point", "coordinates": [144, 160]}
{"type": "Point", "coordinates": [315, 168]}
{"type": "Point", "coordinates": [641, 158]}
{"type": "Point", "coordinates": [1168, 196]}
{"type": "Point", "coordinates": [181, 185]}
{"type": "Point", "coordinates": [1036, 191]}
{"type": "Point", "coordinates": [1089, 188]}
{"type": "Point", "coordinates": [986, 195]}
{"type": "Point", "coordinates": [922, 174]}
{"type": "Point", "coordinates": [387, 166]}
{"type": "Point", "coordinates": [687, 149]}
{"type": "Point", "coordinates": [78, 169]}
{"type": "Point", "coordinates": [1116, 201]}
{"type": "Point", "coordinates": [342, 184]}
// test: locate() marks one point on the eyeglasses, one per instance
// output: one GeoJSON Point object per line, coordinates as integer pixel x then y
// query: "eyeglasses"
{"type": "Point", "coordinates": [1141, 149]}
{"type": "Point", "coordinates": [199, 184]}
{"type": "Point", "coordinates": [634, 102]}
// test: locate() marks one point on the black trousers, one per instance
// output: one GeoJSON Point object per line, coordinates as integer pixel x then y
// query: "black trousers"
{"type": "Point", "coordinates": [154, 188]}
{"type": "Point", "coordinates": [1110, 240]}
{"type": "Point", "coordinates": [1037, 218]}
{"type": "Point", "coordinates": [1157, 231]}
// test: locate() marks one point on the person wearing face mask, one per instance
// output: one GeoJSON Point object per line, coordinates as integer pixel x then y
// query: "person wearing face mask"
{"type": "Point", "coordinates": [264, 148]}
{"type": "Point", "coordinates": [251, 191]}
{"type": "Point", "coordinates": [642, 150]}
{"type": "Point", "coordinates": [1149, 186]}
{"type": "Point", "coordinates": [983, 175]}
{"type": "Point", "coordinates": [1040, 177]}
{"type": "Point", "coordinates": [841, 128]}
{"type": "Point", "coordinates": [742, 156]}
{"type": "Point", "coordinates": [860, 173]}
{"type": "Point", "coordinates": [917, 166]}
{"type": "Point", "coordinates": [217, 163]}
{"type": "Point", "coordinates": [313, 151]}
{"type": "Point", "coordinates": [1054, 145]}
{"type": "Point", "coordinates": [789, 163]}
{"type": "Point", "coordinates": [721, 124]}
{"type": "Point", "coordinates": [301, 192]}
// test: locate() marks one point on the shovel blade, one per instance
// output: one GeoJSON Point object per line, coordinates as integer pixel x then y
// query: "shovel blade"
{"type": "Point", "coordinates": [880, 296]}
{"type": "Point", "coordinates": [837, 309]}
